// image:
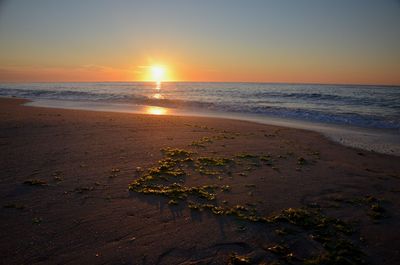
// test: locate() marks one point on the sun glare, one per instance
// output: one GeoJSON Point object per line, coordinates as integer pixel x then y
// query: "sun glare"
{"type": "Point", "coordinates": [156, 110]}
{"type": "Point", "coordinates": [158, 73]}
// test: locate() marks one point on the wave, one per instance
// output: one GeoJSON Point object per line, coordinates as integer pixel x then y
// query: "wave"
{"type": "Point", "coordinates": [374, 107]}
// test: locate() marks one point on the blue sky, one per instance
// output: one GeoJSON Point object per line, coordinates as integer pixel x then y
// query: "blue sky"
{"type": "Point", "coordinates": [305, 40]}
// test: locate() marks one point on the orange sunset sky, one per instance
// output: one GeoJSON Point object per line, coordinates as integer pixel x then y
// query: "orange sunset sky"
{"type": "Point", "coordinates": [225, 41]}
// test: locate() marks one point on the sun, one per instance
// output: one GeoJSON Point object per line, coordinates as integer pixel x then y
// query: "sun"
{"type": "Point", "coordinates": [158, 73]}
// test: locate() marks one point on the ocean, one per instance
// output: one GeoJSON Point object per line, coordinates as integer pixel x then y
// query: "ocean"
{"type": "Point", "coordinates": [363, 106]}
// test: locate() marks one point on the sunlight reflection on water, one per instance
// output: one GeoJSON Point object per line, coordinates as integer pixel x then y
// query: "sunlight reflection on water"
{"type": "Point", "coordinates": [158, 96]}
{"type": "Point", "coordinates": [156, 110]}
{"type": "Point", "coordinates": [158, 86]}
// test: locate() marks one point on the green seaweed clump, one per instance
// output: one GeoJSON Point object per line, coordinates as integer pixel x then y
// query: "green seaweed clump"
{"type": "Point", "coordinates": [35, 182]}
{"type": "Point", "coordinates": [311, 219]}
{"type": "Point", "coordinates": [36, 220]}
{"type": "Point", "coordinates": [267, 160]}
{"type": "Point", "coordinates": [213, 161]}
{"type": "Point", "coordinates": [172, 202]}
{"type": "Point", "coordinates": [175, 152]}
{"type": "Point", "coordinates": [201, 142]}
{"type": "Point", "coordinates": [376, 211]}
{"type": "Point", "coordinates": [301, 161]}
{"type": "Point", "coordinates": [299, 217]}
{"type": "Point", "coordinates": [235, 259]}
{"type": "Point", "coordinates": [246, 156]}
{"type": "Point", "coordinates": [166, 167]}
{"type": "Point", "coordinates": [226, 188]}
{"type": "Point", "coordinates": [278, 249]}
{"type": "Point", "coordinates": [211, 165]}
{"type": "Point", "coordinates": [174, 191]}
{"type": "Point", "coordinates": [154, 180]}
{"type": "Point", "coordinates": [338, 252]}
{"type": "Point", "coordinates": [329, 232]}
{"type": "Point", "coordinates": [239, 211]}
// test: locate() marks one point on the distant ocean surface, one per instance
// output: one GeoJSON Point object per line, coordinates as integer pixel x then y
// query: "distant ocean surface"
{"type": "Point", "coordinates": [355, 105]}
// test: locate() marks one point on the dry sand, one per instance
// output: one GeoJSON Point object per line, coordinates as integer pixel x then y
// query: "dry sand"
{"type": "Point", "coordinates": [65, 198]}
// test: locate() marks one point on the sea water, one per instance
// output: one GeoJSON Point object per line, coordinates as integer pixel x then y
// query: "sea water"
{"type": "Point", "coordinates": [369, 108]}
{"type": "Point", "coordinates": [356, 105]}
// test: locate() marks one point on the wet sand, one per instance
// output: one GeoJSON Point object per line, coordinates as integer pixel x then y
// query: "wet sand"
{"type": "Point", "coordinates": [65, 200]}
{"type": "Point", "coordinates": [375, 140]}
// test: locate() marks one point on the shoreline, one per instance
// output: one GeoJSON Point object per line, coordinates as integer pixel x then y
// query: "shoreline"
{"type": "Point", "coordinates": [73, 191]}
{"type": "Point", "coordinates": [375, 140]}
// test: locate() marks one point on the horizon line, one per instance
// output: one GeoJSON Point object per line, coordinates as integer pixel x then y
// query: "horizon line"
{"type": "Point", "coordinates": [186, 81]}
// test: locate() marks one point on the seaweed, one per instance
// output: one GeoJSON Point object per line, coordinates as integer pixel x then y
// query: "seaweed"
{"type": "Point", "coordinates": [35, 182]}
{"type": "Point", "coordinates": [214, 161]}
{"type": "Point", "coordinates": [236, 259]}
{"type": "Point", "coordinates": [246, 156]}
{"type": "Point", "coordinates": [278, 249]}
{"type": "Point", "coordinates": [329, 232]}
{"type": "Point", "coordinates": [175, 152]}
{"type": "Point", "coordinates": [172, 202]}
{"type": "Point", "coordinates": [212, 165]}
{"type": "Point", "coordinates": [376, 211]}
{"type": "Point", "coordinates": [338, 252]}
{"type": "Point", "coordinates": [225, 188]}
{"type": "Point", "coordinates": [36, 220]}
{"type": "Point", "coordinates": [83, 189]}
{"type": "Point", "coordinates": [301, 161]}
{"type": "Point", "coordinates": [201, 142]}
{"type": "Point", "coordinates": [167, 179]}
{"type": "Point", "coordinates": [14, 206]}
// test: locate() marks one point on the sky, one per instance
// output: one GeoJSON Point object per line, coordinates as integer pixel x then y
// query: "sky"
{"type": "Point", "coordinates": [290, 41]}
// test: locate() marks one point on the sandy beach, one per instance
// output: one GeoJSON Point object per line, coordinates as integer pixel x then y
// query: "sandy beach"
{"type": "Point", "coordinates": [85, 187]}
